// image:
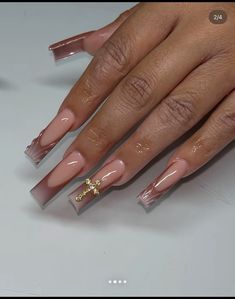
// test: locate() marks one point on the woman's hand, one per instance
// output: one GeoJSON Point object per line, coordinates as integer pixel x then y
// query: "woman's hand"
{"type": "Point", "coordinates": [163, 67]}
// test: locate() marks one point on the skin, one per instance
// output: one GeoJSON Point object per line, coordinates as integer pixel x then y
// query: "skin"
{"type": "Point", "coordinates": [163, 66]}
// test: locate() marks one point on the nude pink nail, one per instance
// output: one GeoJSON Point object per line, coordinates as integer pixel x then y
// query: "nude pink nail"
{"type": "Point", "coordinates": [65, 171]}
{"type": "Point", "coordinates": [108, 175]}
{"type": "Point", "coordinates": [163, 183]}
{"type": "Point", "coordinates": [50, 136]}
{"type": "Point", "coordinates": [70, 46]}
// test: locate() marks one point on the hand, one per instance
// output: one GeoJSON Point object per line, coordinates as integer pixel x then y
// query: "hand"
{"type": "Point", "coordinates": [163, 67]}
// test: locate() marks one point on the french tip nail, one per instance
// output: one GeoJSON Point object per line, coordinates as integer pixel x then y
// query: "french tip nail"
{"type": "Point", "coordinates": [36, 152]}
{"type": "Point", "coordinates": [70, 46]}
{"type": "Point", "coordinates": [39, 198]}
{"type": "Point", "coordinates": [50, 136]}
{"type": "Point", "coordinates": [145, 204]}
{"type": "Point", "coordinates": [51, 47]}
{"type": "Point", "coordinates": [140, 202]}
{"type": "Point", "coordinates": [73, 204]}
{"type": "Point", "coordinates": [80, 207]}
{"type": "Point", "coordinates": [163, 183]}
{"type": "Point", "coordinates": [106, 177]}
{"type": "Point", "coordinates": [30, 159]}
{"type": "Point", "coordinates": [57, 178]}
{"type": "Point", "coordinates": [58, 56]}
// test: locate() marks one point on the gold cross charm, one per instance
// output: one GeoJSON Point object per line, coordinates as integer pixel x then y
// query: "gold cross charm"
{"type": "Point", "coordinates": [90, 187]}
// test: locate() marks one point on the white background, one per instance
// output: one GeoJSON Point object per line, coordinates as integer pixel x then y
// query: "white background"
{"type": "Point", "coordinates": [185, 246]}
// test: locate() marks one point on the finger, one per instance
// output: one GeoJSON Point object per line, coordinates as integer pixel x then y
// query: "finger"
{"type": "Point", "coordinates": [129, 44]}
{"type": "Point", "coordinates": [210, 139]}
{"type": "Point", "coordinates": [96, 40]}
{"type": "Point", "coordinates": [88, 41]}
{"type": "Point", "coordinates": [136, 95]}
{"type": "Point", "coordinates": [120, 53]}
{"type": "Point", "coordinates": [164, 125]}
{"type": "Point", "coordinates": [130, 101]}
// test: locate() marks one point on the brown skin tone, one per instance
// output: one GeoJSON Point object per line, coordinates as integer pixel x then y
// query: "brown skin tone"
{"type": "Point", "coordinates": [167, 63]}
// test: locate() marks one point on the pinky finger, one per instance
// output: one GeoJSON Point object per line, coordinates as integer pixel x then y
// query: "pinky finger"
{"type": "Point", "coordinates": [89, 41]}
{"type": "Point", "coordinates": [200, 148]}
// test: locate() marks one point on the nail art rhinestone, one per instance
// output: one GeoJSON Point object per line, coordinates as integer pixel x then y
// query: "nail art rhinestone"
{"type": "Point", "coordinates": [90, 187]}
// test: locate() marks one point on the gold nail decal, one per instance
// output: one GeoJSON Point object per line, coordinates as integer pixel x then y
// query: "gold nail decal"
{"type": "Point", "coordinates": [90, 187]}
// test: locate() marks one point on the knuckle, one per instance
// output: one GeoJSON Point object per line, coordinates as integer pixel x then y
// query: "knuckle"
{"type": "Point", "coordinates": [179, 109]}
{"type": "Point", "coordinates": [136, 92]}
{"type": "Point", "coordinates": [143, 146]}
{"type": "Point", "coordinates": [116, 53]}
{"type": "Point", "coordinates": [201, 146]}
{"type": "Point", "coordinates": [99, 138]}
{"type": "Point", "coordinates": [227, 119]}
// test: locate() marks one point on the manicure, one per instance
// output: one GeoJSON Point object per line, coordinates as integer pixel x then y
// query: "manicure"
{"type": "Point", "coordinates": [69, 46]}
{"type": "Point", "coordinates": [163, 183]}
{"type": "Point", "coordinates": [50, 136]}
{"type": "Point", "coordinates": [66, 170]}
{"type": "Point", "coordinates": [101, 181]}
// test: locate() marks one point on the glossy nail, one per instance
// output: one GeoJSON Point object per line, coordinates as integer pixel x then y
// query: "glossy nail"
{"type": "Point", "coordinates": [69, 46]}
{"type": "Point", "coordinates": [106, 176]}
{"type": "Point", "coordinates": [50, 185]}
{"type": "Point", "coordinates": [163, 183]}
{"type": "Point", "coordinates": [50, 136]}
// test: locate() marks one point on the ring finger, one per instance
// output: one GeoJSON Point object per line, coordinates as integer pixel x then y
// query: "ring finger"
{"type": "Point", "coordinates": [199, 149]}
